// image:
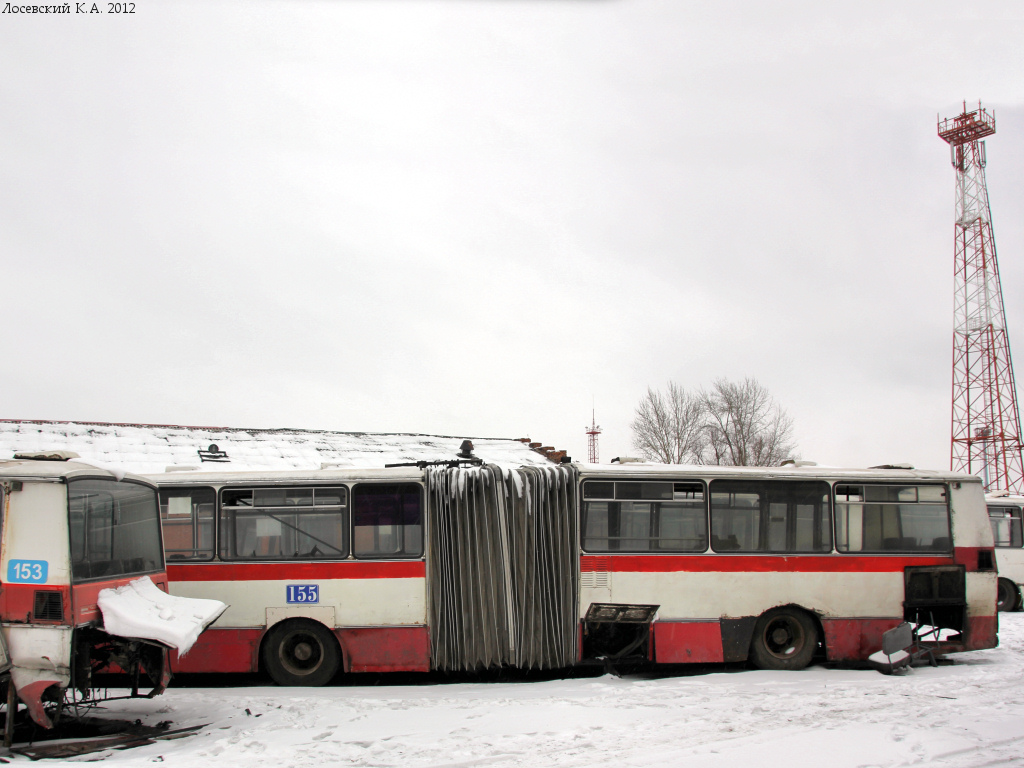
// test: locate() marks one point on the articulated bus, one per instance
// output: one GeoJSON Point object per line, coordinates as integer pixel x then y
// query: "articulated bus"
{"type": "Point", "coordinates": [70, 531]}
{"type": "Point", "coordinates": [471, 567]}
{"type": "Point", "coordinates": [1004, 511]}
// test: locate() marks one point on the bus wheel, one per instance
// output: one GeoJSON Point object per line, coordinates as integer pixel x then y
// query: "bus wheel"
{"type": "Point", "coordinates": [301, 652]}
{"type": "Point", "coordinates": [784, 638]}
{"type": "Point", "coordinates": [1009, 596]}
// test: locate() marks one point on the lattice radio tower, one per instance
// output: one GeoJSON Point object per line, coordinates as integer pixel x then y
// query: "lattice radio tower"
{"type": "Point", "coordinates": [592, 432]}
{"type": "Point", "coordinates": [986, 423]}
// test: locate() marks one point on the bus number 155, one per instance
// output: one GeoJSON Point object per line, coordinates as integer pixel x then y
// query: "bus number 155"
{"type": "Point", "coordinates": [303, 593]}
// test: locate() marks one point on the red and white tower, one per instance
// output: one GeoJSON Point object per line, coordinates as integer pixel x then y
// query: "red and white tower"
{"type": "Point", "coordinates": [592, 432]}
{"type": "Point", "coordinates": [986, 436]}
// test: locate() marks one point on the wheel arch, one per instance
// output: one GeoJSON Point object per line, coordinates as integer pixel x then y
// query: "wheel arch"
{"type": "Point", "coordinates": [258, 647]}
{"type": "Point", "coordinates": [822, 637]}
{"type": "Point", "coordinates": [810, 613]}
{"type": "Point", "coordinates": [1015, 588]}
{"type": "Point", "coordinates": [738, 632]}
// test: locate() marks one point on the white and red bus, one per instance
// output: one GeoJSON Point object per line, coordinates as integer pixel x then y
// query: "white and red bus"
{"type": "Point", "coordinates": [319, 569]}
{"type": "Point", "coordinates": [1004, 511]}
{"type": "Point", "coordinates": [69, 531]}
{"type": "Point", "coordinates": [464, 568]}
{"type": "Point", "coordinates": [767, 564]}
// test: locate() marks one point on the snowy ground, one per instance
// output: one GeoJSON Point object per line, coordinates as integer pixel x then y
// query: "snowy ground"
{"type": "Point", "coordinates": [968, 713]}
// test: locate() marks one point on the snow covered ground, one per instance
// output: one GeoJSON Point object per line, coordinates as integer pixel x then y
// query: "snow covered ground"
{"type": "Point", "coordinates": [967, 713]}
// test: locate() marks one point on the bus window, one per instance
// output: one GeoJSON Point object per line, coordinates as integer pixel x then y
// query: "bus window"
{"type": "Point", "coordinates": [892, 518]}
{"type": "Point", "coordinates": [1006, 526]}
{"type": "Point", "coordinates": [115, 529]}
{"type": "Point", "coordinates": [299, 523]}
{"type": "Point", "coordinates": [387, 520]}
{"type": "Point", "coordinates": [770, 516]}
{"type": "Point", "coordinates": [675, 523]}
{"type": "Point", "coordinates": [187, 518]}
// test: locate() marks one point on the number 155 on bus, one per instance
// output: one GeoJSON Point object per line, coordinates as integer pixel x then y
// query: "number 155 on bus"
{"type": "Point", "coordinates": [302, 593]}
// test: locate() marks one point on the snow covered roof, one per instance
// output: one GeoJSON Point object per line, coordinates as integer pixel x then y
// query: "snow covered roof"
{"type": "Point", "coordinates": [654, 470]}
{"type": "Point", "coordinates": [152, 448]}
{"type": "Point", "coordinates": [55, 470]}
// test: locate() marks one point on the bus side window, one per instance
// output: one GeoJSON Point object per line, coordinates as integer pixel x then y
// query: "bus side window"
{"type": "Point", "coordinates": [596, 516]}
{"type": "Point", "coordinates": [892, 518]}
{"type": "Point", "coordinates": [653, 516]}
{"type": "Point", "coordinates": [1006, 526]}
{"type": "Point", "coordinates": [273, 523]}
{"type": "Point", "coordinates": [387, 520]}
{"type": "Point", "coordinates": [770, 516]}
{"type": "Point", "coordinates": [187, 518]}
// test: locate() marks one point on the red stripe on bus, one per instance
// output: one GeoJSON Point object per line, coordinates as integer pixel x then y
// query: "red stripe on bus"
{"type": "Point", "coordinates": [17, 602]}
{"type": "Point", "coordinates": [758, 563]}
{"type": "Point", "coordinates": [86, 596]}
{"type": "Point", "coordinates": [970, 558]}
{"type": "Point", "coordinates": [78, 602]}
{"type": "Point", "coordinates": [292, 571]}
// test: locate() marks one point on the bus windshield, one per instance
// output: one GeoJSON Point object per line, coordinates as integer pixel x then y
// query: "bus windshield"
{"type": "Point", "coordinates": [115, 529]}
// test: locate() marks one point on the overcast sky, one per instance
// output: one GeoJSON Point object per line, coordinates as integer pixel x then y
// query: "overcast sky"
{"type": "Point", "coordinates": [482, 217]}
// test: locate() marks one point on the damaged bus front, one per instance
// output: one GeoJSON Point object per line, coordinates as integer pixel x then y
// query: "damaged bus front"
{"type": "Point", "coordinates": [83, 582]}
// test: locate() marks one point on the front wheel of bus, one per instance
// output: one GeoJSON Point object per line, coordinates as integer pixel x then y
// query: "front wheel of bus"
{"type": "Point", "coordinates": [1009, 596]}
{"type": "Point", "coordinates": [784, 638]}
{"type": "Point", "coordinates": [301, 652]}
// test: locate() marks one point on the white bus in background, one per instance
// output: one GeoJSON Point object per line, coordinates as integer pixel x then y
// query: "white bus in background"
{"type": "Point", "coordinates": [473, 567]}
{"type": "Point", "coordinates": [1004, 512]}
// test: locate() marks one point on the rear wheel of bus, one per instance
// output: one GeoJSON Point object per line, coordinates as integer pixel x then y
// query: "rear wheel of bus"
{"type": "Point", "coordinates": [784, 638]}
{"type": "Point", "coordinates": [301, 652]}
{"type": "Point", "coordinates": [1009, 596]}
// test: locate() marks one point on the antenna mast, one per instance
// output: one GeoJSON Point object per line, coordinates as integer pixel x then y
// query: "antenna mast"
{"type": "Point", "coordinates": [986, 436]}
{"type": "Point", "coordinates": [592, 432]}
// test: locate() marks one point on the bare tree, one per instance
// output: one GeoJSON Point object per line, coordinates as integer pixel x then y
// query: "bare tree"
{"type": "Point", "coordinates": [733, 423]}
{"type": "Point", "coordinates": [669, 427]}
{"type": "Point", "coordinates": [744, 425]}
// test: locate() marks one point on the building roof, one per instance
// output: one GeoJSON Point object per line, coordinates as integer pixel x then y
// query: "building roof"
{"type": "Point", "coordinates": [152, 448]}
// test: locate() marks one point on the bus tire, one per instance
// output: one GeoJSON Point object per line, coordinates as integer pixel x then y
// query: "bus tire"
{"type": "Point", "coordinates": [784, 638]}
{"type": "Point", "coordinates": [301, 652]}
{"type": "Point", "coordinates": [1008, 596]}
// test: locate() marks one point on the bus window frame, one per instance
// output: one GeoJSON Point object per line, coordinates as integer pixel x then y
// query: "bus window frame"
{"type": "Point", "coordinates": [420, 490]}
{"type": "Point", "coordinates": [161, 565]}
{"type": "Point", "coordinates": [193, 519]}
{"type": "Point", "coordinates": [222, 535]}
{"type": "Point", "coordinates": [762, 513]}
{"type": "Point", "coordinates": [901, 552]}
{"type": "Point", "coordinates": [1020, 522]}
{"type": "Point", "coordinates": [584, 500]}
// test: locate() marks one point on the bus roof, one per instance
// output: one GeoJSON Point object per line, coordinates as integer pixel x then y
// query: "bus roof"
{"type": "Point", "coordinates": [338, 475]}
{"type": "Point", "coordinates": [587, 471]}
{"type": "Point", "coordinates": [56, 471]}
{"type": "Point", "coordinates": [646, 470]}
{"type": "Point", "coordinates": [1003, 497]}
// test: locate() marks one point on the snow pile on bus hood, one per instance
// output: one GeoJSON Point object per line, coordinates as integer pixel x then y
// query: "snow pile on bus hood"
{"type": "Point", "coordinates": [141, 610]}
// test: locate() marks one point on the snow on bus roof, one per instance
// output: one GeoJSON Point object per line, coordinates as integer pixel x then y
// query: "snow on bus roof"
{"type": "Point", "coordinates": [155, 448]}
{"type": "Point", "coordinates": [654, 471]}
{"type": "Point", "coordinates": [210, 474]}
{"type": "Point", "coordinates": [51, 470]}
{"type": "Point", "coordinates": [1003, 497]}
